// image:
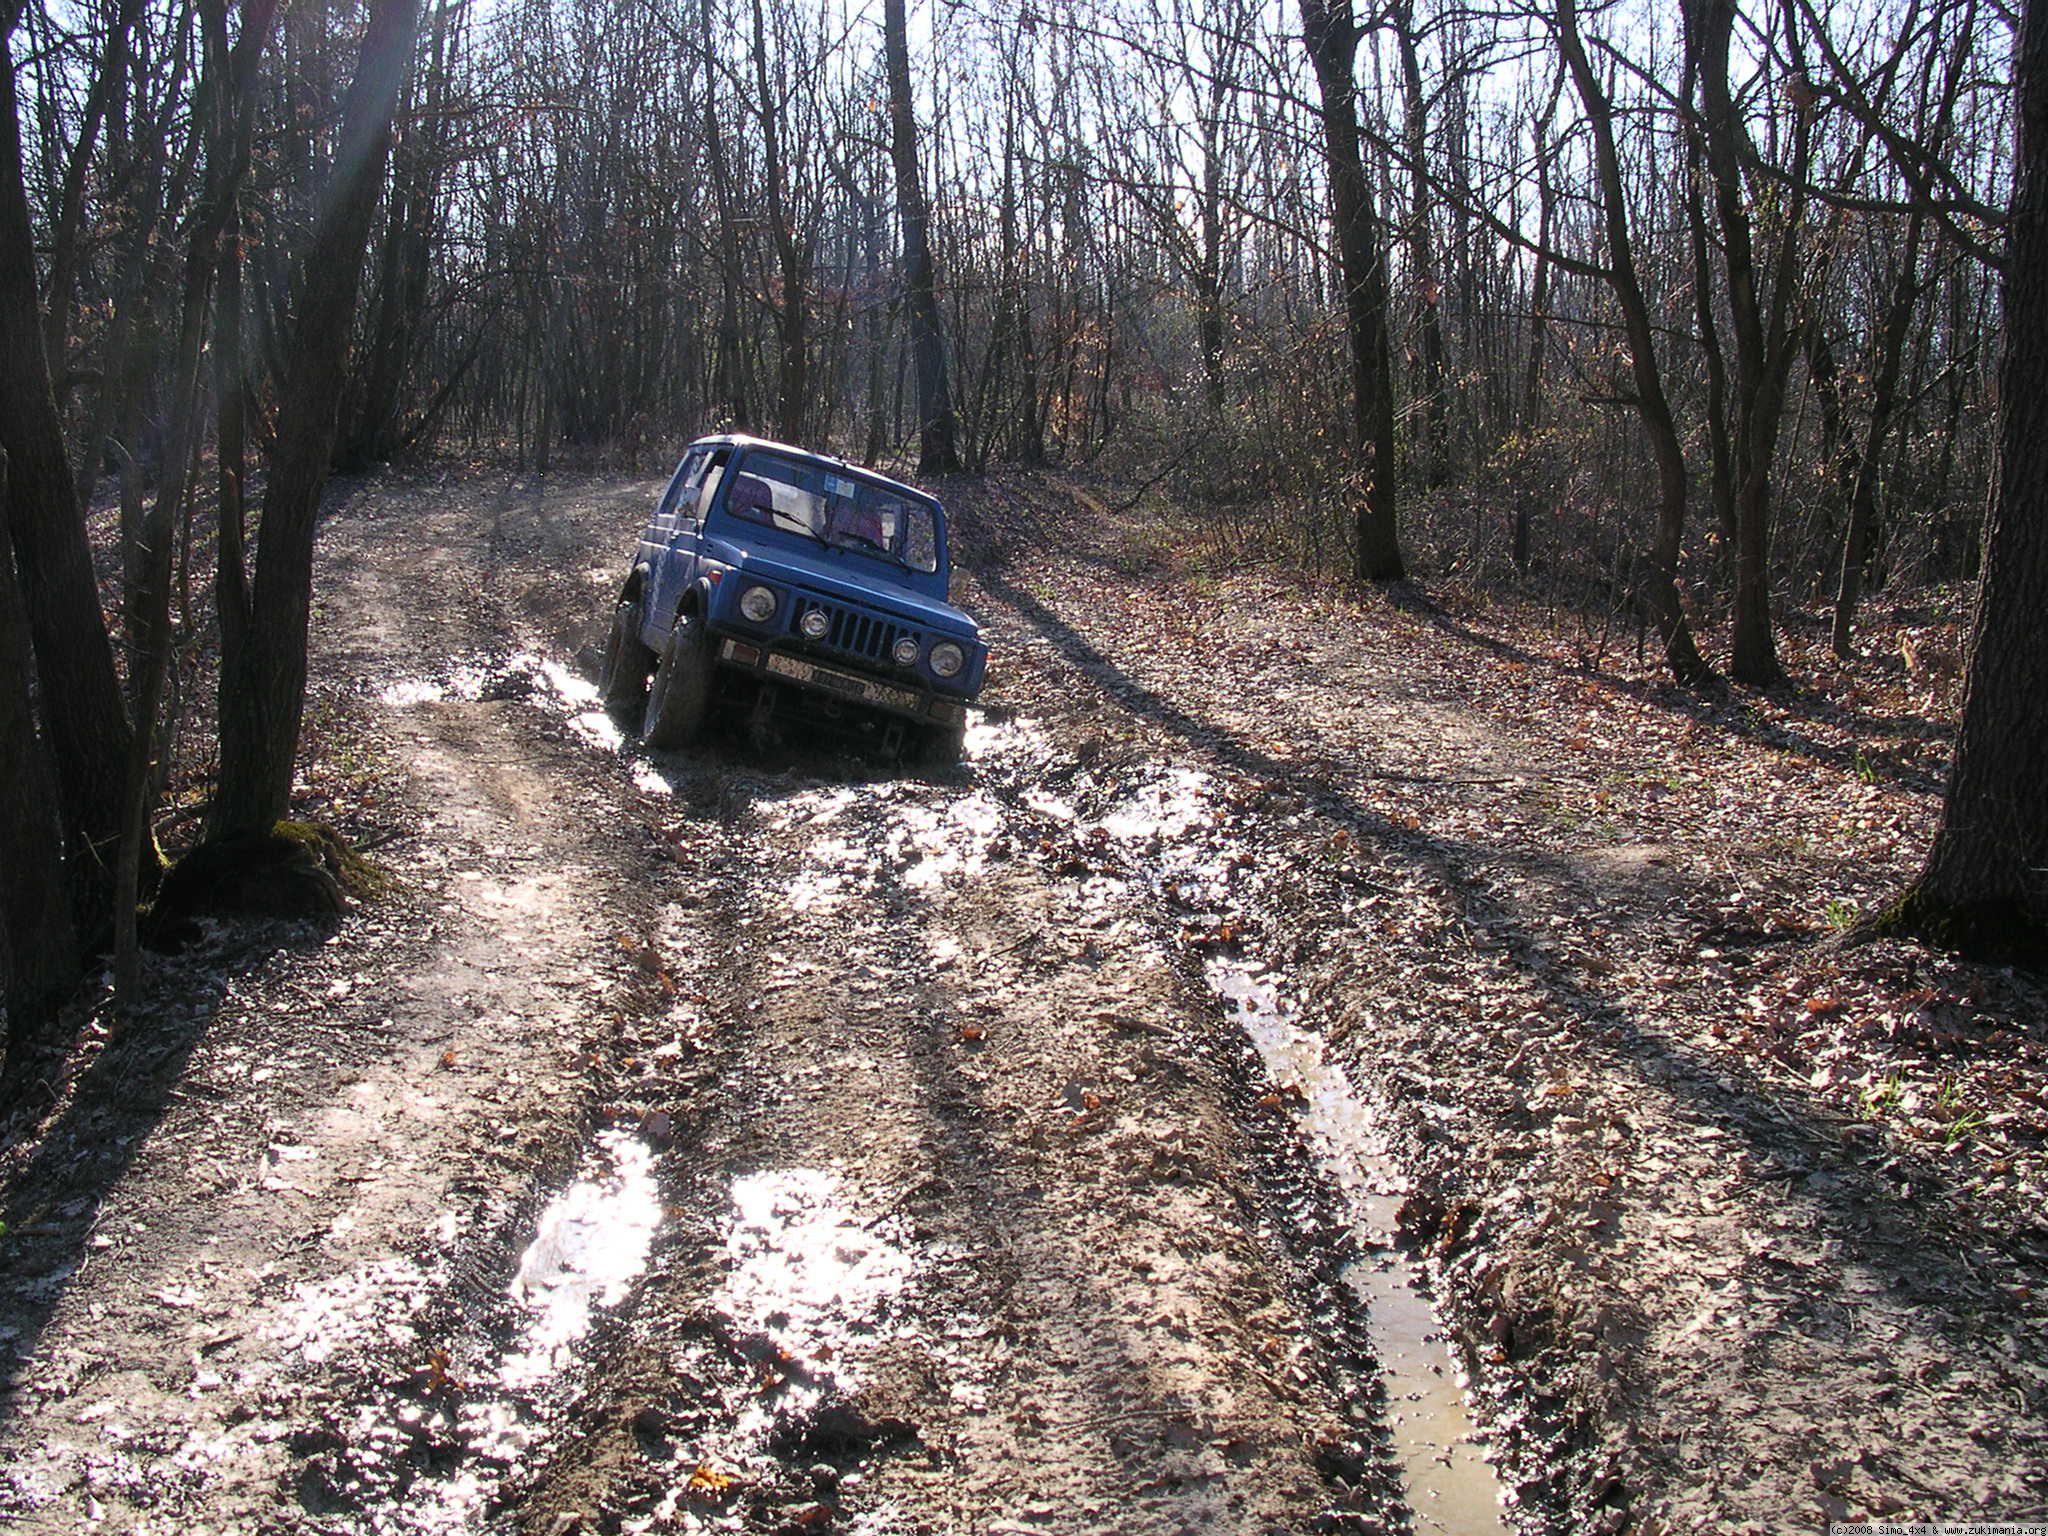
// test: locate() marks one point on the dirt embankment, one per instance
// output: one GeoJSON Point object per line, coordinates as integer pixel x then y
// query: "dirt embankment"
{"type": "Point", "coordinates": [786, 1142]}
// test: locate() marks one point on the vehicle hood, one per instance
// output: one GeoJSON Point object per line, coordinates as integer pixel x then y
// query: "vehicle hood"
{"type": "Point", "coordinates": [830, 577]}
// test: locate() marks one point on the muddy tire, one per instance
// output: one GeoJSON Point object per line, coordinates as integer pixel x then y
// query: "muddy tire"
{"type": "Point", "coordinates": [938, 746]}
{"type": "Point", "coordinates": [680, 697]}
{"type": "Point", "coordinates": [627, 662]}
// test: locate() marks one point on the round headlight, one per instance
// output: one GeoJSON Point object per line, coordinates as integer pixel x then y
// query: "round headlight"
{"type": "Point", "coordinates": [948, 658]}
{"type": "Point", "coordinates": [814, 623]}
{"type": "Point", "coordinates": [905, 651]}
{"type": "Point", "coordinates": [757, 604]}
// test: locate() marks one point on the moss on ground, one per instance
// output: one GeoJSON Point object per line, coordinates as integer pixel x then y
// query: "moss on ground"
{"type": "Point", "coordinates": [295, 869]}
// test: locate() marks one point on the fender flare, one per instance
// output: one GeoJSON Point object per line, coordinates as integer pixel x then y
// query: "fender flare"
{"type": "Point", "coordinates": [697, 596]}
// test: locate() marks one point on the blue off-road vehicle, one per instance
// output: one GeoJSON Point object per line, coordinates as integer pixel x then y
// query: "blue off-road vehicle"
{"type": "Point", "coordinates": [769, 574]}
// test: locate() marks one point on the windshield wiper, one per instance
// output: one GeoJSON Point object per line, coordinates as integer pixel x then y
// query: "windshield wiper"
{"type": "Point", "coordinates": [847, 538]}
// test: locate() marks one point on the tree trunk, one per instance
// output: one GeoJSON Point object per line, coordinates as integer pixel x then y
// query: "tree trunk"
{"type": "Point", "coordinates": [1891, 346]}
{"type": "Point", "coordinates": [1539, 338]}
{"type": "Point", "coordinates": [87, 725]}
{"type": "Point", "coordinates": [1765, 343]}
{"type": "Point", "coordinates": [732, 379]}
{"type": "Point", "coordinates": [402, 268]}
{"type": "Point", "coordinates": [1720, 456]}
{"type": "Point", "coordinates": [71, 203]}
{"type": "Point", "coordinates": [226, 117]}
{"type": "Point", "coordinates": [937, 451]}
{"type": "Point", "coordinates": [1539, 287]}
{"type": "Point", "coordinates": [792, 256]}
{"type": "Point", "coordinates": [263, 650]}
{"type": "Point", "coordinates": [1429, 449]}
{"type": "Point", "coordinates": [1984, 890]}
{"type": "Point", "coordinates": [1659, 593]}
{"type": "Point", "coordinates": [1332, 39]}
{"type": "Point", "coordinates": [43, 961]}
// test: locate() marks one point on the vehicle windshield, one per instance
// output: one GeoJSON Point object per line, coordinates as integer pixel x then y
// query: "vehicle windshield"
{"type": "Point", "coordinates": [816, 500]}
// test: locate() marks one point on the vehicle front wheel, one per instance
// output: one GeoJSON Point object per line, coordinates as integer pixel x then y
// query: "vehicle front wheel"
{"type": "Point", "coordinates": [681, 696]}
{"type": "Point", "coordinates": [627, 661]}
{"type": "Point", "coordinates": [939, 746]}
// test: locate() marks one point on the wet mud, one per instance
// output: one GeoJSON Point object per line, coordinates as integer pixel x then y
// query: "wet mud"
{"type": "Point", "coordinates": [1139, 862]}
{"type": "Point", "coordinates": [776, 1138]}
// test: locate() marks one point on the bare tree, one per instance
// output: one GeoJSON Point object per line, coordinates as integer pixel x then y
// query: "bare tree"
{"type": "Point", "coordinates": [1653, 405]}
{"type": "Point", "coordinates": [1332, 37]}
{"type": "Point", "coordinates": [1761, 300]}
{"type": "Point", "coordinates": [82, 712]}
{"type": "Point", "coordinates": [1430, 448]}
{"type": "Point", "coordinates": [938, 454]}
{"type": "Point", "coordinates": [225, 93]}
{"type": "Point", "coordinates": [1984, 889]}
{"type": "Point", "coordinates": [263, 622]}
{"type": "Point", "coordinates": [41, 959]}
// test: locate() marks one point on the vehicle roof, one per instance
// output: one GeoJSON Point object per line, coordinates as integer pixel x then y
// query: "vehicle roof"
{"type": "Point", "coordinates": [748, 440]}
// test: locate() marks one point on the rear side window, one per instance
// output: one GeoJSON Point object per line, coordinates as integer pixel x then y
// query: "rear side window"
{"type": "Point", "coordinates": [714, 472]}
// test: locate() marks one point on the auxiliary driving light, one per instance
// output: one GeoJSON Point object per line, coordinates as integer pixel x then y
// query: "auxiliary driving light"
{"type": "Point", "coordinates": [905, 651]}
{"type": "Point", "coordinates": [814, 623]}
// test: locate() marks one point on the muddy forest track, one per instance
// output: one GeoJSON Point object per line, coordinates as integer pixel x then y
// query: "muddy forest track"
{"type": "Point", "coordinates": [882, 1176]}
{"type": "Point", "coordinates": [782, 1142]}
{"type": "Point", "coordinates": [329, 1142]}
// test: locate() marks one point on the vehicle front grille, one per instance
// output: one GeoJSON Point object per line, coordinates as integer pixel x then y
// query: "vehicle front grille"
{"type": "Point", "coordinates": [863, 636]}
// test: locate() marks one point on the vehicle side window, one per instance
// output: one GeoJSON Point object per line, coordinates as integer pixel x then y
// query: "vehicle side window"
{"type": "Point", "coordinates": [714, 472]}
{"type": "Point", "coordinates": [685, 481]}
{"type": "Point", "coordinates": [918, 546]}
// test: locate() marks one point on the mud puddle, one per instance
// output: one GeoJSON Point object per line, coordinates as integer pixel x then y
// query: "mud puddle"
{"type": "Point", "coordinates": [1450, 1486]}
{"type": "Point", "coordinates": [1169, 838]}
{"type": "Point", "coordinates": [589, 1248]}
{"type": "Point", "coordinates": [529, 678]}
{"type": "Point", "coordinates": [807, 1271]}
{"type": "Point", "coordinates": [811, 1288]}
{"type": "Point", "coordinates": [755, 1422]}
{"type": "Point", "coordinates": [437, 1453]}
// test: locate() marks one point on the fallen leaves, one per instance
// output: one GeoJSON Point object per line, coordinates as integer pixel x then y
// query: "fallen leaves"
{"type": "Point", "coordinates": [708, 1479]}
{"type": "Point", "coordinates": [1222, 936]}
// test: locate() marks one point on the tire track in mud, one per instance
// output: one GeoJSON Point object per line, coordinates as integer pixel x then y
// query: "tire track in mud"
{"type": "Point", "coordinates": [1438, 909]}
{"type": "Point", "coordinates": [922, 1041]}
{"type": "Point", "coordinates": [1180, 840]}
{"type": "Point", "coordinates": [1274, 814]}
{"type": "Point", "coordinates": [946, 954]}
{"type": "Point", "coordinates": [938, 909]}
{"type": "Point", "coordinates": [937, 914]}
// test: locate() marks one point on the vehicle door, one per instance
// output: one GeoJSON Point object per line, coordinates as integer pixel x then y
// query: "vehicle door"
{"type": "Point", "coordinates": [686, 543]}
{"type": "Point", "coordinates": [673, 536]}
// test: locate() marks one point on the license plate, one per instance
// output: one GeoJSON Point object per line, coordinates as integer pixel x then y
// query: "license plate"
{"type": "Point", "coordinates": [844, 684]}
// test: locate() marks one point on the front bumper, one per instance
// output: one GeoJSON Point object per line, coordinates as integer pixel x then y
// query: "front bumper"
{"type": "Point", "coordinates": [841, 683]}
